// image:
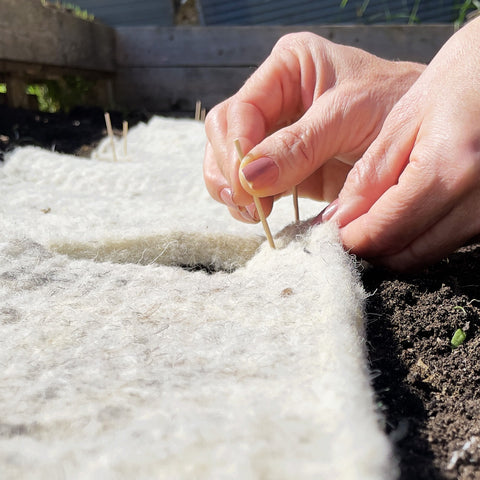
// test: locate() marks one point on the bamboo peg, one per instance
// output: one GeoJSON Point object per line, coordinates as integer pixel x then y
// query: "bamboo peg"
{"type": "Point", "coordinates": [295, 203]}
{"type": "Point", "coordinates": [258, 204]}
{"type": "Point", "coordinates": [125, 132]}
{"type": "Point", "coordinates": [198, 109]}
{"type": "Point", "coordinates": [110, 135]}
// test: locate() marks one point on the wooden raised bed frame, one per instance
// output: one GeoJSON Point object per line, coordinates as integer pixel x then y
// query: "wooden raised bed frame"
{"type": "Point", "coordinates": [162, 69]}
{"type": "Point", "coordinates": [38, 42]}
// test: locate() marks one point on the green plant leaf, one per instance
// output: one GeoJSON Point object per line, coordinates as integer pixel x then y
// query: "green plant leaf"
{"type": "Point", "coordinates": [458, 338]}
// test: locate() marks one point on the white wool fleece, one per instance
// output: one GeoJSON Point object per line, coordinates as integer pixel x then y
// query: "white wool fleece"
{"type": "Point", "coordinates": [119, 364]}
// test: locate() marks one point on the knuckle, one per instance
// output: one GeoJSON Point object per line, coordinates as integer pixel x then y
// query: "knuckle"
{"type": "Point", "coordinates": [413, 255]}
{"type": "Point", "coordinates": [384, 238]}
{"type": "Point", "coordinates": [411, 258]}
{"type": "Point", "coordinates": [362, 174]}
{"type": "Point", "coordinates": [381, 243]}
{"type": "Point", "coordinates": [213, 113]}
{"type": "Point", "coordinates": [297, 146]}
{"type": "Point", "coordinates": [453, 174]}
{"type": "Point", "coordinates": [293, 41]}
{"type": "Point", "coordinates": [213, 117]}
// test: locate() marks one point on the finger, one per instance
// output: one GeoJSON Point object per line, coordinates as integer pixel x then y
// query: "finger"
{"type": "Point", "coordinates": [221, 159]}
{"type": "Point", "coordinates": [398, 216]}
{"type": "Point", "coordinates": [426, 191]}
{"type": "Point", "coordinates": [277, 94]}
{"type": "Point", "coordinates": [341, 123]}
{"type": "Point", "coordinates": [220, 191]}
{"type": "Point", "coordinates": [380, 166]}
{"type": "Point", "coordinates": [293, 153]}
{"type": "Point", "coordinates": [326, 183]}
{"type": "Point", "coordinates": [213, 177]}
{"type": "Point", "coordinates": [448, 234]}
{"type": "Point", "coordinates": [216, 129]}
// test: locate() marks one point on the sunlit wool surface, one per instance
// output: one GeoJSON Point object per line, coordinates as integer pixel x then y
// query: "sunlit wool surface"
{"type": "Point", "coordinates": [117, 363]}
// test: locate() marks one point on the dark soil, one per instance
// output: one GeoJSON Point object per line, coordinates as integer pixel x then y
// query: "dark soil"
{"type": "Point", "coordinates": [76, 132]}
{"type": "Point", "coordinates": [427, 391]}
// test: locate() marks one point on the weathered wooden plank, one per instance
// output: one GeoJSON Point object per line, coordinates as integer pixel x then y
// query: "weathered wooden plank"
{"type": "Point", "coordinates": [38, 71]}
{"type": "Point", "coordinates": [246, 46]}
{"type": "Point", "coordinates": [33, 33]}
{"type": "Point", "coordinates": [167, 89]}
{"type": "Point", "coordinates": [16, 96]}
{"type": "Point", "coordinates": [170, 68]}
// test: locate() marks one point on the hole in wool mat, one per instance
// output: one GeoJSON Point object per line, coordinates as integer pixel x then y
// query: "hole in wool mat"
{"type": "Point", "coordinates": [191, 251]}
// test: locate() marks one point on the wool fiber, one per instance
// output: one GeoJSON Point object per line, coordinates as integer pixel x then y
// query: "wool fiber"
{"type": "Point", "coordinates": [119, 361]}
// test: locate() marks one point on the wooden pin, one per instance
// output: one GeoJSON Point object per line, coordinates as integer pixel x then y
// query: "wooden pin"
{"type": "Point", "coordinates": [258, 204]}
{"type": "Point", "coordinates": [110, 135]}
{"type": "Point", "coordinates": [198, 109]}
{"type": "Point", "coordinates": [125, 132]}
{"type": "Point", "coordinates": [295, 203]}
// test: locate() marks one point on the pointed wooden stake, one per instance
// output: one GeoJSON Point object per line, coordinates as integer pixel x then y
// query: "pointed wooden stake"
{"type": "Point", "coordinates": [295, 203]}
{"type": "Point", "coordinates": [198, 109]}
{"type": "Point", "coordinates": [125, 132]}
{"type": "Point", "coordinates": [110, 135]}
{"type": "Point", "coordinates": [258, 204]}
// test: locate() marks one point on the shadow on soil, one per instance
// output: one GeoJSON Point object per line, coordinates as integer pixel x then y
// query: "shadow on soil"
{"type": "Point", "coordinates": [402, 409]}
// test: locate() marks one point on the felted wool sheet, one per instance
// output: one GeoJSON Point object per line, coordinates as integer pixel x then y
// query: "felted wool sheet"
{"type": "Point", "coordinates": [118, 363]}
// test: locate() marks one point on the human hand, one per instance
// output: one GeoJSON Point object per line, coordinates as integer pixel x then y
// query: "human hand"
{"type": "Point", "coordinates": [304, 117]}
{"type": "Point", "coordinates": [414, 195]}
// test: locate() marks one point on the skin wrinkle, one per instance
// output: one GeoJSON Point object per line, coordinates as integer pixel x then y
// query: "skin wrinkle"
{"type": "Point", "coordinates": [289, 76]}
{"type": "Point", "coordinates": [347, 111]}
{"type": "Point", "coordinates": [312, 83]}
{"type": "Point", "coordinates": [257, 110]}
{"type": "Point", "coordinates": [294, 78]}
{"type": "Point", "coordinates": [454, 182]}
{"type": "Point", "coordinates": [299, 150]}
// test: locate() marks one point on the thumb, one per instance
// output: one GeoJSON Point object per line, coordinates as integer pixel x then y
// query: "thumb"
{"type": "Point", "coordinates": [292, 154]}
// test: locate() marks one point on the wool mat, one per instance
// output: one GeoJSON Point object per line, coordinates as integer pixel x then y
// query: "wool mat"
{"type": "Point", "coordinates": [145, 334]}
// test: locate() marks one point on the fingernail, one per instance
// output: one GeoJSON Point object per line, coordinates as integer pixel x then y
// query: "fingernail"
{"type": "Point", "coordinates": [226, 195]}
{"type": "Point", "coordinates": [327, 213]}
{"type": "Point", "coordinates": [261, 173]}
{"type": "Point", "coordinates": [252, 211]}
{"type": "Point", "coordinates": [245, 213]}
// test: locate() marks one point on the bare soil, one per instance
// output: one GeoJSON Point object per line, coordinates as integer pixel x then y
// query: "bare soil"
{"type": "Point", "coordinates": [76, 132]}
{"type": "Point", "coordinates": [427, 391]}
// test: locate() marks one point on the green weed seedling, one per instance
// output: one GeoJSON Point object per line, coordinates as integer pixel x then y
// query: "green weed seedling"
{"type": "Point", "coordinates": [458, 338]}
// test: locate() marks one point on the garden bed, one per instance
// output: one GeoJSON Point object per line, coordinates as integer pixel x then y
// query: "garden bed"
{"type": "Point", "coordinates": [426, 390]}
